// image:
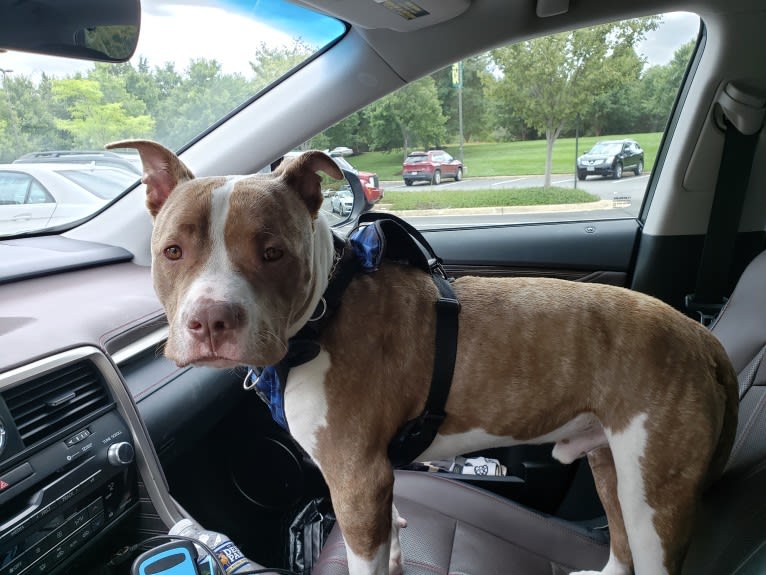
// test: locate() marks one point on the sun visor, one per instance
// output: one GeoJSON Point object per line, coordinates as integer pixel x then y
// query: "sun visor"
{"type": "Point", "coordinates": [399, 15]}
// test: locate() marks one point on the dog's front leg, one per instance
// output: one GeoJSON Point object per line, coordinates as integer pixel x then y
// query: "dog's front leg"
{"type": "Point", "coordinates": [362, 495]}
{"type": "Point", "coordinates": [395, 555]}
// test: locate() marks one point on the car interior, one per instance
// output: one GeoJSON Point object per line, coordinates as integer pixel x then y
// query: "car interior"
{"type": "Point", "coordinates": [105, 443]}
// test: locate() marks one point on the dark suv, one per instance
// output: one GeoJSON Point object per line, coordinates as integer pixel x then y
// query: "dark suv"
{"type": "Point", "coordinates": [610, 158]}
{"type": "Point", "coordinates": [431, 167]}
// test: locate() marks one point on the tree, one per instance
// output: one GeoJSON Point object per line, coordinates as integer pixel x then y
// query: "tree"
{"type": "Point", "coordinates": [549, 80]}
{"type": "Point", "coordinates": [196, 100]}
{"type": "Point", "coordinates": [347, 133]}
{"type": "Point", "coordinates": [617, 108]}
{"type": "Point", "coordinates": [91, 121]}
{"type": "Point", "coordinates": [475, 113]}
{"type": "Point", "coordinates": [409, 116]}
{"type": "Point", "coordinates": [271, 63]}
{"type": "Point", "coordinates": [659, 87]}
{"type": "Point", "coordinates": [26, 120]}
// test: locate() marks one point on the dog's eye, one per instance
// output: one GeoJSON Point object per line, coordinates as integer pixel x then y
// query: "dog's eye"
{"type": "Point", "coordinates": [272, 254]}
{"type": "Point", "coordinates": [173, 253]}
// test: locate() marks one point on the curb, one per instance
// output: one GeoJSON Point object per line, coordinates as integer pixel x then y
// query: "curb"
{"type": "Point", "coordinates": [582, 207]}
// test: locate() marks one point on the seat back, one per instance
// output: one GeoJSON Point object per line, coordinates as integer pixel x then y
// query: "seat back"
{"type": "Point", "coordinates": [730, 534]}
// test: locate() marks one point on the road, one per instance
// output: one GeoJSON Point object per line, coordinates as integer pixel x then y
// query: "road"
{"type": "Point", "coordinates": [622, 197]}
{"type": "Point", "coordinates": [629, 186]}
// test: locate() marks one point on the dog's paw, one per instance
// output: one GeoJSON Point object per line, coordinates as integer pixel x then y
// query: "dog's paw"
{"type": "Point", "coordinates": [395, 567]}
{"type": "Point", "coordinates": [395, 557]}
{"type": "Point", "coordinates": [608, 570]}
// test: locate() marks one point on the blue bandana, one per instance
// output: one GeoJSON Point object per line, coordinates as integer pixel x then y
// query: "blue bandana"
{"type": "Point", "coordinates": [270, 389]}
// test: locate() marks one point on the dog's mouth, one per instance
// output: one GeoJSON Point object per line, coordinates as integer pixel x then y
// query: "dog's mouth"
{"type": "Point", "coordinates": [209, 361]}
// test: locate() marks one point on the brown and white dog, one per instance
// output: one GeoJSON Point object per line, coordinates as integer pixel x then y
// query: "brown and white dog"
{"type": "Point", "coordinates": [648, 395]}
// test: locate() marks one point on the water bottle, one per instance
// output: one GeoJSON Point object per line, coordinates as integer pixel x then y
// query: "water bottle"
{"type": "Point", "coordinates": [229, 555]}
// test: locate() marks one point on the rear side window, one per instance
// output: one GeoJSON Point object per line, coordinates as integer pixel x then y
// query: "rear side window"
{"type": "Point", "coordinates": [13, 188]}
{"type": "Point", "coordinates": [38, 194]}
{"type": "Point", "coordinates": [105, 184]}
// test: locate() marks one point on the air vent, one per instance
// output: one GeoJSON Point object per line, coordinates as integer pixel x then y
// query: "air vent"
{"type": "Point", "coordinates": [49, 403]}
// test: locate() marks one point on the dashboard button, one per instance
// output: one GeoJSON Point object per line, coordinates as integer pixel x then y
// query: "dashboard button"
{"type": "Point", "coordinates": [95, 507]}
{"type": "Point", "coordinates": [15, 567]}
{"type": "Point", "coordinates": [14, 476]}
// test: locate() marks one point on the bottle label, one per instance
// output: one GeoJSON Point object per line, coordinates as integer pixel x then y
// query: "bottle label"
{"type": "Point", "coordinates": [230, 557]}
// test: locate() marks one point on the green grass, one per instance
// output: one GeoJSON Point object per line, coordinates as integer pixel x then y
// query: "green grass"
{"type": "Point", "coordinates": [508, 159]}
{"type": "Point", "coordinates": [441, 199]}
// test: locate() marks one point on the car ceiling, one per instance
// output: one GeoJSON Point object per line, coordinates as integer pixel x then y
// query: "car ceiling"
{"type": "Point", "coordinates": [452, 33]}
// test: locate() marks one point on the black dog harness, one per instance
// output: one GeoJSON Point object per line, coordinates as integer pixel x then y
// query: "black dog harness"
{"type": "Point", "coordinates": [377, 237]}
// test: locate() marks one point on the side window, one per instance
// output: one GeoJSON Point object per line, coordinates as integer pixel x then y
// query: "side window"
{"type": "Point", "coordinates": [39, 195]}
{"type": "Point", "coordinates": [541, 123]}
{"type": "Point", "coordinates": [14, 187]}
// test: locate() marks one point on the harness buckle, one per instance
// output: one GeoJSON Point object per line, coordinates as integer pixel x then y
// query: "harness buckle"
{"type": "Point", "coordinates": [447, 304]}
{"type": "Point", "coordinates": [436, 268]}
{"type": "Point", "coordinates": [414, 437]}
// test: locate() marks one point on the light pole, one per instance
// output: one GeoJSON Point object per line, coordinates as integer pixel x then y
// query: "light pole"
{"type": "Point", "coordinates": [577, 148]}
{"type": "Point", "coordinates": [5, 72]}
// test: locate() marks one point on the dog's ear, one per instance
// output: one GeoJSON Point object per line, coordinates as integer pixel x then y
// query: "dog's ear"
{"type": "Point", "coordinates": [301, 175]}
{"type": "Point", "coordinates": [163, 171]}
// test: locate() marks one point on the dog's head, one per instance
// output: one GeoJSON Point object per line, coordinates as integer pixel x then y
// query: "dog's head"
{"type": "Point", "coordinates": [238, 262]}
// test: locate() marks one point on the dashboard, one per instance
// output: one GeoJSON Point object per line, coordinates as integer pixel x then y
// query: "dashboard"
{"type": "Point", "coordinates": [85, 399]}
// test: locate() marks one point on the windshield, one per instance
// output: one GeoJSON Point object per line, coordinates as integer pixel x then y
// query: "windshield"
{"type": "Point", "coordinates": [415, 159]}
{"type": "Point", "coordinates": [196, 61]}
{"type": "Point", "coordinates": [606, 149]}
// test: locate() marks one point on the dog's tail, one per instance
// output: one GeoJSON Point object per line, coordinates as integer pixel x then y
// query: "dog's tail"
{"type": "Point", "coordinates": [726, 377]}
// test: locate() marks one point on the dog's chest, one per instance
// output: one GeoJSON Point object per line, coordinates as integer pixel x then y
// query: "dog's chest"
{"type": "Point", "coordinates": [306, 401]}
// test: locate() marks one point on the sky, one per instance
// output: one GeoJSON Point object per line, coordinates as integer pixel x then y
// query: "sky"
{"type": "Point", "coordinates": [677, 28]}
{"type": "Point", "coordinates": [236, 35]}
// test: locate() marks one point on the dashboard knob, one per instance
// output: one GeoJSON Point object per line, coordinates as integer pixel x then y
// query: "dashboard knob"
{"type": "Point", "coordinates": [121, 453]}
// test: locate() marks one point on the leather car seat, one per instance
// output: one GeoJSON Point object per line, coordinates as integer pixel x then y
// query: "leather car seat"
{"type": "Point", "coordinates": [456, 528]}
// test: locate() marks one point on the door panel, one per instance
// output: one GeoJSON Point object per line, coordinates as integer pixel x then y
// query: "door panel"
{"type": "Point", "coordinates": [599, 251]}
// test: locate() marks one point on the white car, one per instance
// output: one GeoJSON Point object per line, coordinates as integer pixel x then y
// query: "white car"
{"type": "Point", "coordinates": [341, 151]}
{"type": "Point", "coordinates": [37, 196]}
{"type": "Point", "coordinates": [342, 202]}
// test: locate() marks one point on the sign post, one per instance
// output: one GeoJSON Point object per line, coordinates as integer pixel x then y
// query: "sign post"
{"type": "Point", "coordinates": [457, 82]}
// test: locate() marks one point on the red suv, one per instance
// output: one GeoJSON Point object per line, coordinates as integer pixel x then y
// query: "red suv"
{"type": "Point", "coordinates": [373, 190]}
{"type": "Point", "coordinates": [431, 167]}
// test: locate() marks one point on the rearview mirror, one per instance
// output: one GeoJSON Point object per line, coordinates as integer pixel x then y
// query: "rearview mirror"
{"type": "Point", "coordinates": [104, 30]}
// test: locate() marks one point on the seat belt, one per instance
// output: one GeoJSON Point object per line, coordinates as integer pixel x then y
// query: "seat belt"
{"type": "Point", "coordinates": [742, 117]}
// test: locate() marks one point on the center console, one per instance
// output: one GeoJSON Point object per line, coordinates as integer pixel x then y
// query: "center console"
{"type": "Point", "coordinates": [68, 465]}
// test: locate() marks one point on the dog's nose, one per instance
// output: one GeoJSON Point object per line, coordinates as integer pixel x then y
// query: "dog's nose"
{"type": "Point", "coordinates": [214, 321]}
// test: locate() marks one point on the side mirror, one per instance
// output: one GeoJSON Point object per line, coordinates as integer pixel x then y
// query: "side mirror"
{"type": "Point", "coordinates": [104, 30]}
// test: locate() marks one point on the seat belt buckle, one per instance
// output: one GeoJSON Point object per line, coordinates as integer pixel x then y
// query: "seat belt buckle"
{"type": "Point", "coordinates": [706, 311]}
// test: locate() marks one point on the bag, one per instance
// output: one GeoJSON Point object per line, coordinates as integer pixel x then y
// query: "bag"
{"type": "Point", "coordinates": [308, 533]}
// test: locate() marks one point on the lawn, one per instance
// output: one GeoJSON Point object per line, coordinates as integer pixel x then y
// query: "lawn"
{"type": "Point", "coordinates": [509, 158]}
{"type": "Point", "coordinates": [440, 199]}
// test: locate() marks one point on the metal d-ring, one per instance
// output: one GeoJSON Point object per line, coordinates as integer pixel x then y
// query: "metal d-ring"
{"type": "Point", "coordinates": [322, 313]}
{"type": "Point", "coordinates": [250, 382]}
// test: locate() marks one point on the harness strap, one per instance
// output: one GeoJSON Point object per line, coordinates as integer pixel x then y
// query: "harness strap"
{"type": "Point", "coordinates": [416, 435]}
{"type": "Point", "coordinates": [401, 241]}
